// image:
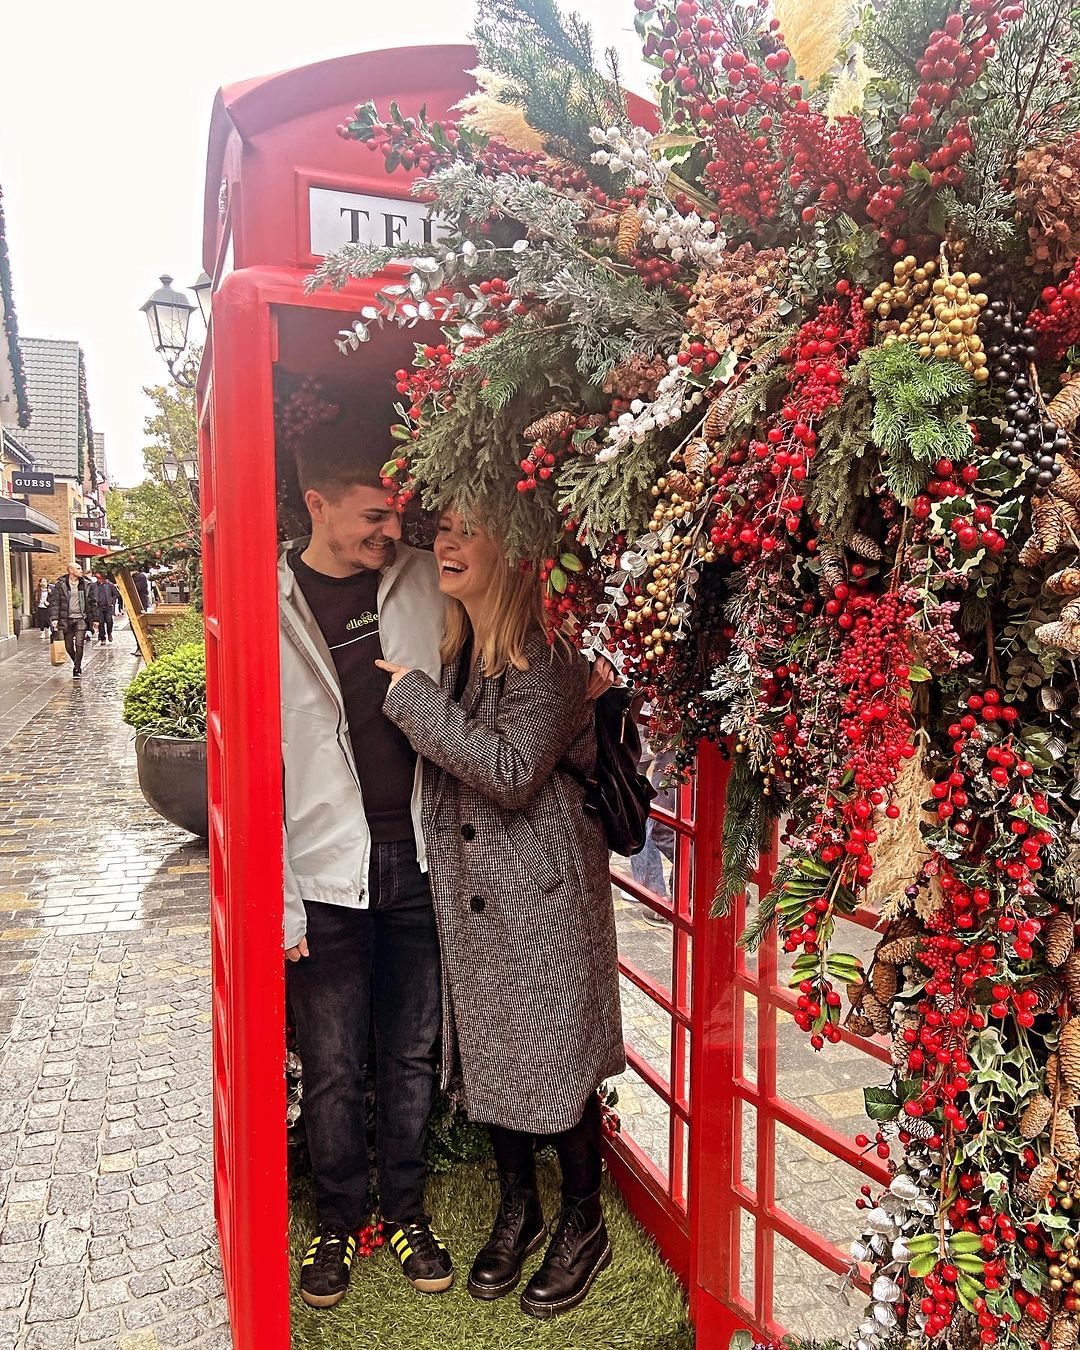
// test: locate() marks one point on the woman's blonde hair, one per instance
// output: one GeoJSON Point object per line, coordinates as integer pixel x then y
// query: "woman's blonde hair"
{"type": "Point", "coordinates": [516, 607]}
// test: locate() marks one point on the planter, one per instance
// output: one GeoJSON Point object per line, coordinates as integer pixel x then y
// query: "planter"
{"type": "Point", "coordinates": [17, 623]}
{"type": "Point", "coordinates": [172, 776]}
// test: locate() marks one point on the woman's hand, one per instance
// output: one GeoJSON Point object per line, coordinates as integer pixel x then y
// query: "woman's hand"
{"type": "Point", "coordinates": [601, 678]}
{"type": "Point", "coordinates": [396, 672]}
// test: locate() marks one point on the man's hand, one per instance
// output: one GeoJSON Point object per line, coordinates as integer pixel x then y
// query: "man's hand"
{"type": "Point", "coordinates": [396, 672]}
{"type": "Point", "coordinates": [601, 678]}
{"type": "Point", "coordinates": [295, 953]}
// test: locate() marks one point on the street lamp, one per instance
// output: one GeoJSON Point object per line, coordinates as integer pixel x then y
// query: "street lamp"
{"type": "Point", "coordinates": [185, 470]}
{"type": "Point", "coordinates": [168, 313]}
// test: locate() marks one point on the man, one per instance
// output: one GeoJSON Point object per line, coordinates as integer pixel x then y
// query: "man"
{"type": "Point", "coordinates": [108, 597]}
{"type": "Point", "coordinates": [72, 611]}
{"type": "Point", "coordinates": [360, 932]}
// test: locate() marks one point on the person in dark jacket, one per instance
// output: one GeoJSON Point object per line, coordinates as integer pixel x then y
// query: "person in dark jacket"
{"type": "Point", "coordinates": [519, 876]}
{"type": "Point", "coordinates": [141, 582]}
{"type": "Point", "coordinates": [72, 611]}
{"type": "Point", "coordinates": [108, 598]}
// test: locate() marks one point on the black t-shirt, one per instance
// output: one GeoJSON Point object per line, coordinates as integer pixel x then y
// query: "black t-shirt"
{"type": "Point", "coordinates": [347, 612]}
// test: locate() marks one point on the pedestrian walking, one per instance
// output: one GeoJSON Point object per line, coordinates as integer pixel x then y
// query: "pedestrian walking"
{"type": "Point", "coordinates": [519, 874]}
{"type": "Point", "coordinates": [360, 933]}
{"type": "Point", "coordinates": [41, 608]}
{"type": "Point", "coordinates": [108, 599]}
{"type": "Point", "coordinates": [72, 611]}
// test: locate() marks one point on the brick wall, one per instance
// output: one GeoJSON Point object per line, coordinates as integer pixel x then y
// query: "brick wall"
{"type": "Point", "coordinates": [66, 503]}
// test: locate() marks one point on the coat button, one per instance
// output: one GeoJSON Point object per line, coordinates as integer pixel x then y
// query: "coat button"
{"type": "Point", "coordinates": [468, 832]}
{"type": "Point", "coordinates": [476, 904]}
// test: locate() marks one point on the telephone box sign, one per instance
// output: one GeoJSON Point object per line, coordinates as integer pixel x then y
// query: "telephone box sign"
{"type": "Point", "coordinates": [38, 483]}
{"type": "Point", "coordinates": [356, 218]}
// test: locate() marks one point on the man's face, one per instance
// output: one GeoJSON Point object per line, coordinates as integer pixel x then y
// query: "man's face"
{"type": "Point", "coordinates": [74, 572]}
{"type": "Point", "coordinates": [359, 528]}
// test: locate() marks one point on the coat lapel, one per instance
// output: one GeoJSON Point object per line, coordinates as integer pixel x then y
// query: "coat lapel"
{"type": "Point", "coordinates": [469, 702]}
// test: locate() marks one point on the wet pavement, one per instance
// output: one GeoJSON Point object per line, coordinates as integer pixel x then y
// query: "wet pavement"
{"type": "Point", "coordinates": [107, 1237]}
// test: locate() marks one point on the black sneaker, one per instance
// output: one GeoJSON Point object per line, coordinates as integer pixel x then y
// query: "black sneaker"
{"type": "Point", "coordinates": [424, 1256]}
{"type": "Point", "coordinates": [324, 1273]}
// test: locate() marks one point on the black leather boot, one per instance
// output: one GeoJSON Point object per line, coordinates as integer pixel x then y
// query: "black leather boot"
{"type": "Point", "coordinates": [579, 1251]}
{"type": "Point", "coordinates": [518, 1230]}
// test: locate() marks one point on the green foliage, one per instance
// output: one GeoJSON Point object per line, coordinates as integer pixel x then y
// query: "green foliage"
{"type": "Point", "coordinates": [550, 63]}
{"type": "Point", "coordinates": [613, 496]}
{"type": "Point", "coordinates": [897, 34]}
{"type": "Point", "coordinates": [920, 414]}
{"type": "Point", "coordinates": [169, 697]}
{"type": "Point", "coordinates": [453, 1138]}
{"type": "Point", "coordinates": [185, 630]}
{"type": "Point", "coordinates": [846, 459]}
{"type": "Point", "coordinates": [748, 822]}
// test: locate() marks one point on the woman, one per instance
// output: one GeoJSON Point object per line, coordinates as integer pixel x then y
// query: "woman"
{"type": "Point", "coordinates": [519, 876]}
{"type": "Point", "coordinates": [41, 610]}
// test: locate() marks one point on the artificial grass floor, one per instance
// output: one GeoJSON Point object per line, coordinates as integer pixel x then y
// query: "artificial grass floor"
{"type": "Point", "coordinates": [636, 1304]}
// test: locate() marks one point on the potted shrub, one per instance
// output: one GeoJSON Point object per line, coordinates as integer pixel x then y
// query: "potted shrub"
{"type": "Point", "coordinates": [166, 704]}
{"type": "Point", "coordinates": [16, 611]}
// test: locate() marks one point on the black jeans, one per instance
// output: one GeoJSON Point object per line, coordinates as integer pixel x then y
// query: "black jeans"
{"type": "Point", "coordinates": [386, 959]}
{"type": "Point", "coordinates": [74, 637]}
{"type": "Point", "coordinates": [105, 624]}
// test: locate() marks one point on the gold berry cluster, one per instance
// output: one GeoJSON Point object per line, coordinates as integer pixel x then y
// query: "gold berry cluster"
{"type": "Point", "coordinates": [941, 312]}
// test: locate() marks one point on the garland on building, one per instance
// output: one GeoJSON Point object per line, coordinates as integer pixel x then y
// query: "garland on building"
{"type": "Point", "coordinates": [780, 398]}
{"type": "Point", "coordinates": [11, 325]}
{"type": "Point", "coordinates": [87, 458]}
{"type": "Point", "coordinates": [179, 551]}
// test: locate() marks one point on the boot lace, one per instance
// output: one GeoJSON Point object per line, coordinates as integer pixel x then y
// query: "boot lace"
{"type": "Point", "coordinates": [511, 1212]}
{"type": "Point", "coordinates": [332, 1248]}
{"type": "Point", "coordinates": [423, 1241]}
{"type": "Point", "coordinates": [568, 1229]}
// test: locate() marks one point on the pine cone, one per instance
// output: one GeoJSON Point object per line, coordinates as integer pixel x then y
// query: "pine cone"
{"type": "Point", "coordinates": [865, 547]}
{"type": "Point", "coordinates": [899, 950]}
{"type": "Point", "coordinates": [1059, 939]}
{"type": "Point", "coordinates": [1047, 523]}
{"type": "Point", "coordinates": [1064, 408]}
{"type": "Point", "coordinates": [1070, 614]}
{"type": "Point", "coordinates": [1071, 972]}
{"type": "Point", "coordinates": [600, 227]}
{"type": "Point", "coordinates": [549, 426]}
{"type": "Point", "coordinates": [1036, 1117]}
{"type": "Point", "coordinates": [1041, 1180]}
{"type": "Point", "coordinates": [1028, 1331]}
{"type": "Point", "coordinates": [832, 565]}
{"type": "Point", "coordinates": [1067, 580]}
{"type": "Point", "coordinates": [883, 982]}
{"type": "Point", "coordinates": [877, 1012]}
{"type": "Point", "coordinates": [696, 457]}
{"type": "Point", "coordinates": [856, 992]}
{"type": "Point", "coordinates": [1065, 1139]}
{"type": "Point", "coordinates": [1068, 1052]}
{"type": "Point", "coordinates": [1032, 553]}
{"type": "Point", "coordinates": [859, 1025]}
{"type": "Point", "coordinates": [1048, 991]}
{"type": "Point", "coordinates": [713, 425]}
{"type": "Point", "coordinates": [1063, 1331]}
{"type": "Point", "coordinates": [629, 232]}
{"type": "Point", "coordinates": [919, 1128]}
{"type": "Point", "coordinates": [1067, 483]}
{"type": "Point", "coordinates": [679, 483]}
{"type": "Point", "coordinates": [1063, 637]}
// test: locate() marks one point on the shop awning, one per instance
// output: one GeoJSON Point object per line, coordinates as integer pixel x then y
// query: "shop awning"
{"type": "Point", "coordinates": [28, 543]}
{"type": "Point", "coordinates": [18, 518]}
{"type": "Point", "coordinates": [85, 549]}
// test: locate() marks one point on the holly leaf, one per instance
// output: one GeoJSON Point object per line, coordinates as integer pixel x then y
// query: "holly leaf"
{"type": "Point", "coordinates": [922, 1265]}
{"type": "Point", "coordinates": [880, 1104]}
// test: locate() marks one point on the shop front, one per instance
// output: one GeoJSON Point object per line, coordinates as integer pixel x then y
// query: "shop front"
{"type": "Point", "coordinates": [716, 1090]}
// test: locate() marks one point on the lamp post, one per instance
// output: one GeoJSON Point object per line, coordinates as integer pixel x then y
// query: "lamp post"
{"type": "Point", "coordinates": [184, 470]}
{"type": "Point", "coordinates": [168, 313]}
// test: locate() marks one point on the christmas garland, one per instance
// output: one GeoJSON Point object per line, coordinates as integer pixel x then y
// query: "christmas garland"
{"type": "Point", "coordinates": [11, 325]}
{"type": "Point", "coordinates": [178, 549]}
{"type": "Point", "coordinates": [86, 428]}
{"type": "Point", "coordinates": [780, 400]}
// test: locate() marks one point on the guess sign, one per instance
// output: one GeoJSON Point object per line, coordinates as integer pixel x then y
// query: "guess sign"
{"type": "Point", "coordinates": [42, 484]}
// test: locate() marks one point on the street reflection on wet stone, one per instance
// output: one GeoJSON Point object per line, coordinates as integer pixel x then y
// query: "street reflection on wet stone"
{"type": "Point", "coordinates": [107, 1234]}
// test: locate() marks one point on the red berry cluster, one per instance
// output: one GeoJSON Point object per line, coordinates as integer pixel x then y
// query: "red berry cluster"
{"type": "Point", "coordinates": [976, 531]}
{"type": "Point", "coordinates": [955, 57]}
{"type": "Point", "coordinates": [946, 482]}
{"type": "Point", "coordinates": [370, 1237]}
{"type": "Point", "coordinates": [826, 161]}
{"type": "Point", "coordinates": [821, 351]}
{"type": "Point", "coordinates": [656, 270]}
{"type": "Point", "coordinates": [815, 998]}
{"type": "Point", "coordinates": [1056, 318]}
{"type": "Point", "coordinates": [944, 162]}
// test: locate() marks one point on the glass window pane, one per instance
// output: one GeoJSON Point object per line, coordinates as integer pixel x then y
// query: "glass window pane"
{"type": "Point", "coordinates": [645, 1117]}
{"type": "Point", "coordinates": [805, 1298]}
{"type": "Point", "coordinates": [646, 1028]}
{"type": "Point", "coordinates": [645, 938]}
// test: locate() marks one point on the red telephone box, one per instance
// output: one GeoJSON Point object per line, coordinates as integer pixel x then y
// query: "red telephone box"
{"type": "Point", "coordinates": [699, 1167]}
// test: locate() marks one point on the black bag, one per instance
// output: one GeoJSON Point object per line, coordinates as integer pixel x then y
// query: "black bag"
{"type": "Point", "coordinates": [617, 793]}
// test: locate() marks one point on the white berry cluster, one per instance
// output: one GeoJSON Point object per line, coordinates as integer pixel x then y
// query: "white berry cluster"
{"type": "Point", "coordinates": [629, 154]}
{"type": "Point", "coordinates": [683, 237]}
{"type": "Point", "coordinates": [673, 398]}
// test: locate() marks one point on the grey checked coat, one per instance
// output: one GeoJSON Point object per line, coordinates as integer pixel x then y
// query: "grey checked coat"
{"type": "Point", "coordinates": [519, 876]}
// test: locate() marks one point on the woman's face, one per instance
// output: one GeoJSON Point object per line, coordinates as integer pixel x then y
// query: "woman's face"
{"type": "Point", "coordinates": [467, 559]}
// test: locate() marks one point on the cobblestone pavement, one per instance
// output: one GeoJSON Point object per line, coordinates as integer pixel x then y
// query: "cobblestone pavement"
{"type": "Point", "coordinates": [107, 1238]}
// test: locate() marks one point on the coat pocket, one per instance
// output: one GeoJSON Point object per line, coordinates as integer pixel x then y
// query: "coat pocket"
{"type": "Point", "coordinates": [532, 854]}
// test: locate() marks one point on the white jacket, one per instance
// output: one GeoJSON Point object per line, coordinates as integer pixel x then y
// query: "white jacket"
{"type": "Point", "coordinates": [327, 843]}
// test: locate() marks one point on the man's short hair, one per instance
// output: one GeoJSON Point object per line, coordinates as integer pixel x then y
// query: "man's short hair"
{"type": "Point", "coordinates": [349, 452]}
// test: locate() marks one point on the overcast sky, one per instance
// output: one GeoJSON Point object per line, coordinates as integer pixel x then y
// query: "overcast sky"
{"type": "Point", "coordinates": [104, 111]}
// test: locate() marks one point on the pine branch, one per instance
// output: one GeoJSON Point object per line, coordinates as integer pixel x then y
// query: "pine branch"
{"type": "Point", "coordinates": [748, 820]}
